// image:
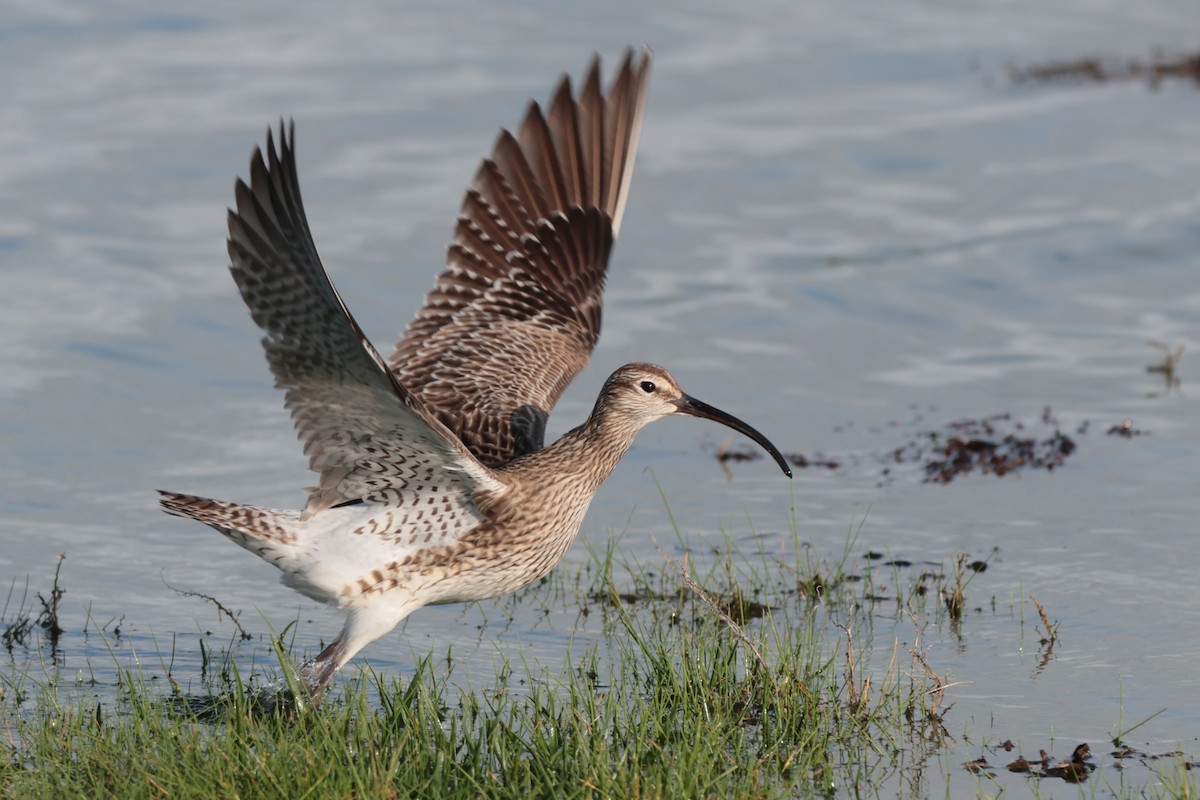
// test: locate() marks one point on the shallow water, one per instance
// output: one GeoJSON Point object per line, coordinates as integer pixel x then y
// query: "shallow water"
{"type": "Point", "coordinates": [842, 220]}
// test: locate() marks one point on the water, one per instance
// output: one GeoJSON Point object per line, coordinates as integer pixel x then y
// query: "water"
{"type": "Point", "coordinates": [843, 218]}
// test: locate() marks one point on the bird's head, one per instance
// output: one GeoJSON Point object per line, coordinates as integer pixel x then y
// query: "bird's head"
{"type": "Point", "coordinates": [637, 394]}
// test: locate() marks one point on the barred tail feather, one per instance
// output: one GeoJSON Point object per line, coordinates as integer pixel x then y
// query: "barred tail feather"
{"type": "Point", "coordinates": [268, 532]}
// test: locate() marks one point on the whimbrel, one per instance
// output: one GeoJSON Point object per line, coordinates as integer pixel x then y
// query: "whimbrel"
{"type": "Point", "coordinates": [435, 486]}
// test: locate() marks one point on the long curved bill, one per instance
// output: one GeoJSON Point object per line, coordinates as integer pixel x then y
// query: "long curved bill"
{"type": "Point", "coordinates": [693, 407]}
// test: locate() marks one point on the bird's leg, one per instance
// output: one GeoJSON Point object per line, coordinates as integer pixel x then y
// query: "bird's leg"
{"type": "Point", "coordinates": [318, 673]}
{"type": "Point", "coordinates": [364, 624]}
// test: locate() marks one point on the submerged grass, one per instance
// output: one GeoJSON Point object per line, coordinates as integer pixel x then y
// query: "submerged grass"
{"type": "Point", "coordinates": [757, 678]}
{"type": "Point", "coordinates": [676, 714]}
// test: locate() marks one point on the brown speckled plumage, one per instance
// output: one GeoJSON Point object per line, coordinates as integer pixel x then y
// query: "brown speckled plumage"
{"type": "Point", "coordinates": [434, 484]}
{"type": "Point", "coordinates": [527, 266]}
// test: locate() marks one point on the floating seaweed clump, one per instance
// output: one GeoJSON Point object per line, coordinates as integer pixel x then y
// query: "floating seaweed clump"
{"type": "Point", "coordinates": [1091, 69]}
{"type": "Point", "coordinates": [993, 445]}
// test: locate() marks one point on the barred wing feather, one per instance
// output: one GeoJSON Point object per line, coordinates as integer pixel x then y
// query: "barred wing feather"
{"type": "Point", "coordinates": [366, 435]}
{"type": "Point", "coordinates": [516, 314]}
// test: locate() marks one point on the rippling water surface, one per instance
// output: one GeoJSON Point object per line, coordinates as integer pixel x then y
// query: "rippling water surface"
{"type": "Point", "coordinates": [847, 226]}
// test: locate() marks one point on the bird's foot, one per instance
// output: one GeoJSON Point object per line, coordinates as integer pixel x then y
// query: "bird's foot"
{"type": "Point", "coordinates": [316, 675]}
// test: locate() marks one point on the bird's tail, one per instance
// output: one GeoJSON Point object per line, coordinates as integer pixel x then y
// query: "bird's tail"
{"type": "Point", "coordinates": [267, 532]}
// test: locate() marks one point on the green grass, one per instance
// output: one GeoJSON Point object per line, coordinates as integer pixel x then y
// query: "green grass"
{"type": "Point", "coordinates": [759, 678]}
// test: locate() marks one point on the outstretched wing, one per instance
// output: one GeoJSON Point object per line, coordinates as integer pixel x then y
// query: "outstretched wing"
{"type": "Point", "coordinates": [366, 435]}
{"type": "Point", "coordinates": [517, 312]}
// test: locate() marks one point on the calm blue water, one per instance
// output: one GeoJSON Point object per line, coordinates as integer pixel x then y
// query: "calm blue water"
{"type": "Point", "coordinates": [842, 217]}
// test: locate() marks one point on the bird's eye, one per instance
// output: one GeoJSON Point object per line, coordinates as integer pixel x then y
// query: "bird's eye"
{"type": "Point", "coordinates": [647, 387]}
